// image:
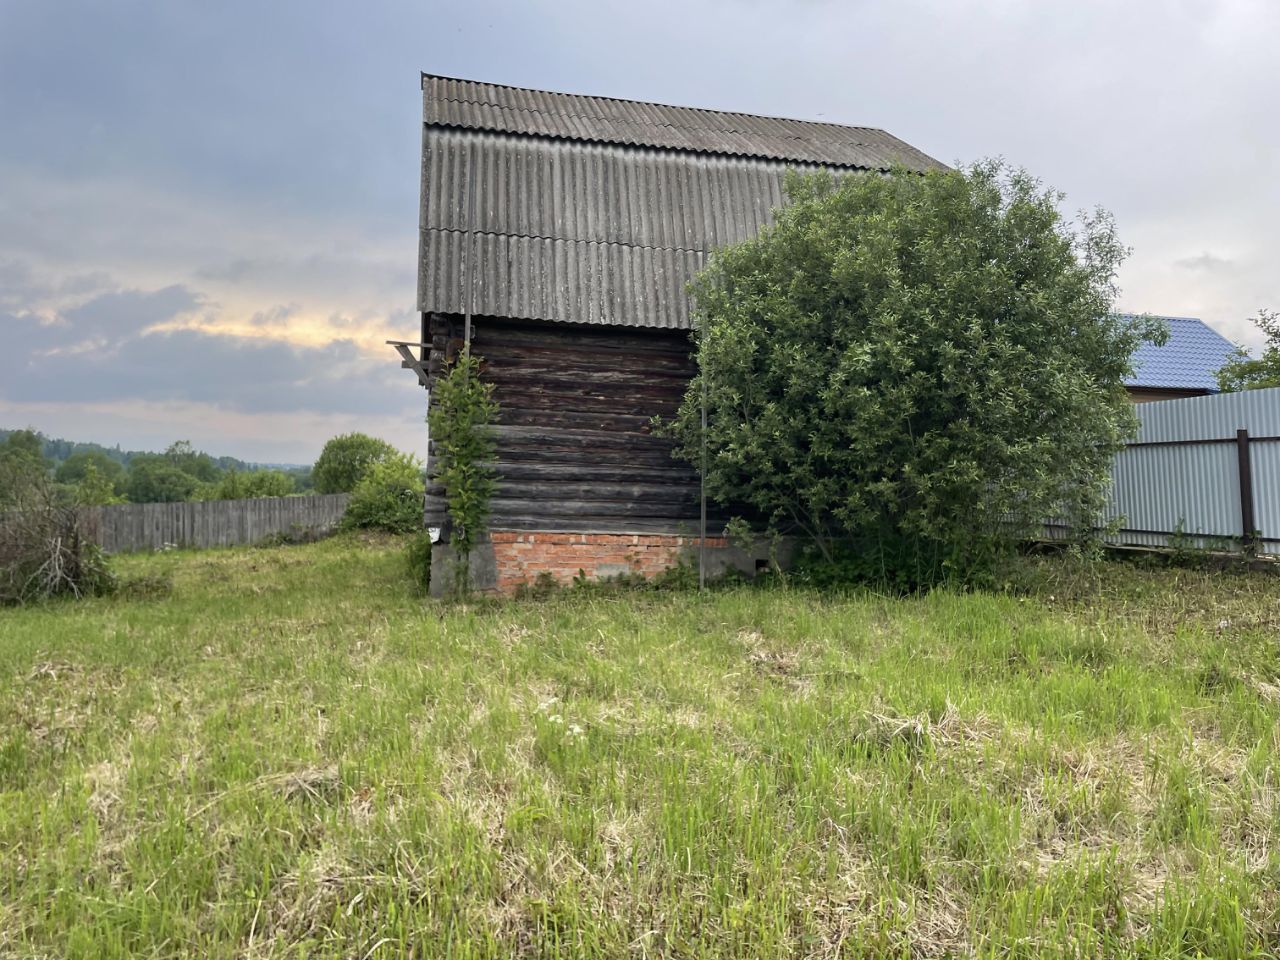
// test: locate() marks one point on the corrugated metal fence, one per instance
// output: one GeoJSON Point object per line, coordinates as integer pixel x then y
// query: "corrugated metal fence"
{"type": "Point", "coordinates": [123, 527]}
{"type": "Point", "coordinates": [1206, 469]}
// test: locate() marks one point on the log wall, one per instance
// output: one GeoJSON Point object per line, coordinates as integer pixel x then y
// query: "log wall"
{"type": "Point", "coordinates": [576, 451]}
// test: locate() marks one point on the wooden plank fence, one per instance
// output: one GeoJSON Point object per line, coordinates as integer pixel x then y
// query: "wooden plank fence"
{"type": "Point", "coordinates": [122, 527]}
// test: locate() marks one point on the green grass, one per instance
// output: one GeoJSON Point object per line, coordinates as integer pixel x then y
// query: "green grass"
{"type": "Point", "coordinates": [294, 754]}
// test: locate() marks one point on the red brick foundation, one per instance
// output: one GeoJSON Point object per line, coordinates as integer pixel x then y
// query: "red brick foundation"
{"type": "Point", "coordinates": [521, 557]}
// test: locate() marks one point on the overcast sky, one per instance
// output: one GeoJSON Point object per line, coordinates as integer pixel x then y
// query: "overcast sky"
{"type": "Point", "coordinates": [208, 210]}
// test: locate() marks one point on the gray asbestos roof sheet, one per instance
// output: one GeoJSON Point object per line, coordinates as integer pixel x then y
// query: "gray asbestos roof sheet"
{"type": "Point", "coordinates": [599, 211]}
{"type": "Point", "coordinates": [471, 105]}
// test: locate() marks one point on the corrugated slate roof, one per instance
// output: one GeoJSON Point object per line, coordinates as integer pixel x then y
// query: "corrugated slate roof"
{"type": "Point", "coordinates": [471, 105]}
{"type": "Point", "coordinates": [600, 211]}
{"type": "Point", "coordinates": [1189, 359]}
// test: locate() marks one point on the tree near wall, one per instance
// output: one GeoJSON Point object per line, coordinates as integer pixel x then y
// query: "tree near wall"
{"type": "Point", "coordinates": [919, 367]}
{"type": "Point", "coordinates": [345, 460]}
{"type": "Point", "coordinates": [1243, 372]}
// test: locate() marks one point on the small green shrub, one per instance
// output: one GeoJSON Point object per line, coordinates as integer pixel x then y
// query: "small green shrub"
{"type": "Point", "coordinates": [95, 488]}
{"type": "Point", "coordinates": [462, 410]}
{"type": "Point", "coordinates": [389, 497]}
{"type": "Point", "coordinates": [680, 578]}
{"type": "Point", "coordinates": [235, 485]}
{"type": "Point", "coordinates": [544, 587]}
{"type": "Point", "coordinates": [418, 559]}
{"type": "Point", "coordinates": [898, 565]}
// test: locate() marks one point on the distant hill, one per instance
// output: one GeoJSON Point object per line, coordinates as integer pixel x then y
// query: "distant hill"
{"type": "Point", "coordinates": [58, 450]}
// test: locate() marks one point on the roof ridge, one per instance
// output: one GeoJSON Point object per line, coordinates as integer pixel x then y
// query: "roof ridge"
{"type": "Point", "coordinates": [463, 232]}
{"type": "Point", "coordinates": [1159, 316]}
{"type": "Point", "coordinates": [787, 161]}
{"type": "Point", "coordinates": [668, 126]}
{"type": "Point", "coordinates": [655, 103]}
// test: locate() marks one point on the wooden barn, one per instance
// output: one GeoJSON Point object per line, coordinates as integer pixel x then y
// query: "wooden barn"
{"type": "Point", "coordinates": [559, 232]}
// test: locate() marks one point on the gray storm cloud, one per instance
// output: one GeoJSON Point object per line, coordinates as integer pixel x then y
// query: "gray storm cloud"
{"type": "Point", "coordinates": [257, 162]}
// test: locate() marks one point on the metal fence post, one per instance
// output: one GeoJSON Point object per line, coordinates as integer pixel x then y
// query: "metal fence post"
{"type": "Point", "coordinates": [702, 495]}
{"type": "Point", "coordinates": [1246, 490]}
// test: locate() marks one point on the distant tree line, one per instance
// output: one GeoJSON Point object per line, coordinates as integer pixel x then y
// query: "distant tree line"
{"type": "Point", "coordinates": [91, 474]}
{"type": "Point", "coordinates": [386, 485]}
{"type": "Point", "coordinates": [58, 450]}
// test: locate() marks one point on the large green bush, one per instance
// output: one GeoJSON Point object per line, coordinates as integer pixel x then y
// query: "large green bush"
{"type": "Point", "coordinates": [389, 496]}
{"type": "Point", "coordinates": [346, 459]}
{"type": "Point", "coordinates": [917, 368]}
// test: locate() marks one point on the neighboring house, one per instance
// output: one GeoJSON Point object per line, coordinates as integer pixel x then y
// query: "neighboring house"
{"type": "Point", "coordinates": [559, 232]}
{"type": "Point", "coordinates": [1184, 366]}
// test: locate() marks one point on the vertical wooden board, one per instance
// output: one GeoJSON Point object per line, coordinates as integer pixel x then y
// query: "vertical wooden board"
{"type": "Point", "coordinates": [216, 523]}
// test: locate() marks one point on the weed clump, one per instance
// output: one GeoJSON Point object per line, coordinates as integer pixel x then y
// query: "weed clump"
{"type": "Point", "coordinates": [150, 586]}
{"type": "Point", "coordinates": [46, 549]}
{"type": "Point", "coordinates": [418, 559]}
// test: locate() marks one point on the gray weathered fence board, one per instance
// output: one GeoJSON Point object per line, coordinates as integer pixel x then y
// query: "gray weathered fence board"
{"type": "Point", "coordinates": [122, 527]}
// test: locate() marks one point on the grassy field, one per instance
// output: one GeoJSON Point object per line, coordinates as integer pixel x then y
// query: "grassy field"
{"type": "Point", "coordinates": [291, 753]}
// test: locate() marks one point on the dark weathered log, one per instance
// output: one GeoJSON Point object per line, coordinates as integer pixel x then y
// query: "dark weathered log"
{"type": "Point", "coordinates": [638, 525]}
{"type": "Point", "coordinates": [574, 435]}
{"type": "Point", "coordinates": [645, 401]}
{"type": "Point", "coordinates": [618, 340]}
{"type": "Point", "coordinates": [533, 453]}
{"type": "Point", "coordinates": [569, 369]}
{"type": "Point", "coordinates": [652, 493]}
{"type": "Point", "coordinates": [590, 439]}
{"type": "Point", "coordinates": [553, 356]}
{"type": "Point", "coordinates": [492, 332]}
{"type": "Point", "coordinates": [575, 472]}
{"type": "Point", "coordinates": [504, 507]}
{"type": "Point", "coordinates": [575, 420]}
{"type": "Point", "coordinates": [671, 473]}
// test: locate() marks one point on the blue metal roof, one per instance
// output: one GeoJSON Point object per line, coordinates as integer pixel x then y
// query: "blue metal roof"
{"type": "Point", "coordinates": [1188, 360]}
